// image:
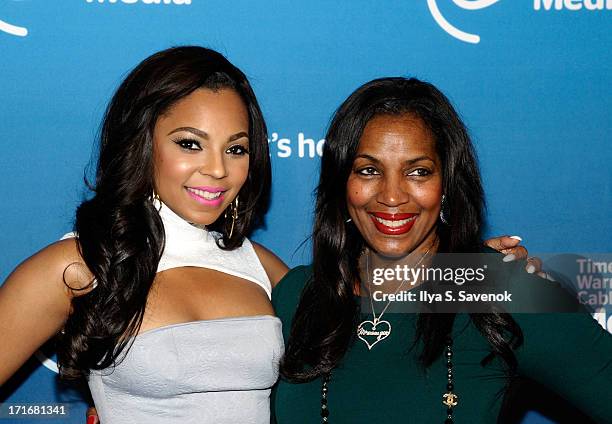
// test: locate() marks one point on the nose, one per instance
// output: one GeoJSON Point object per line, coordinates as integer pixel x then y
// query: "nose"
{"type": "Point", "coordinates": [393, 192]}
{"type": "Point", "coordinates": [214, 165]}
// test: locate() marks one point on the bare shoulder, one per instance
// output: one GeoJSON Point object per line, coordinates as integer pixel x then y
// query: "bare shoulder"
{"type": "Point", "coordinates": [57, 267]}
{"type": "Point", "coordinates": [35, 301]}
{"type": "Point", "coordinates": [274, 266]}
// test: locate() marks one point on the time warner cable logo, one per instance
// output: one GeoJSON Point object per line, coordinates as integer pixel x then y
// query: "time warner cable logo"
{"type": "Point", "coordinates": [546, 5]}
{"type": "Point", "coordinates": [453, 30]}
{"type": "Point", "coordinates": [13, 29]}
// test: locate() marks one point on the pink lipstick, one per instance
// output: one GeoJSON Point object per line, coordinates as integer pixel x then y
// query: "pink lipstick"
{"type": "Point", "coordinates": [205, 195]}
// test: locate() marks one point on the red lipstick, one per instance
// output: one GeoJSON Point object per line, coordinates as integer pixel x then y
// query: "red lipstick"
{"type": "Point", "coordinates": [393, 223]}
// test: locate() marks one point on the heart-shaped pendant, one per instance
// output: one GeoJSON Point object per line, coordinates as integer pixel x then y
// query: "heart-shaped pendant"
{"type": "Point", "coordinates": [372, 332]}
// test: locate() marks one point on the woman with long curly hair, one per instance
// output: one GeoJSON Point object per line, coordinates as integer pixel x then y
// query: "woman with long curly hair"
{"type": "Point", "coordinates": [158, 297]}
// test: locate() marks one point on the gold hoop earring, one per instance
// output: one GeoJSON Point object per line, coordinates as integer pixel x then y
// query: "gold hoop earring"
{"type": "Point", "coordinates": [233, 209]}
{"type": "Point", "coordinates": [156, 200]}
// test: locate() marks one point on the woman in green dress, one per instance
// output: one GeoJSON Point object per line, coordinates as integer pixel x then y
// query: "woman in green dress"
{"type": "Point", "coordinates": [399, 180]}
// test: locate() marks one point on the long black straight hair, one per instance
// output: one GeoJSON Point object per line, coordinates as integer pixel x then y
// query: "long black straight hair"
{"type": "Point", "coordinates": [120, 233]}
{"type": "Point", "coordinates": [324, 324]}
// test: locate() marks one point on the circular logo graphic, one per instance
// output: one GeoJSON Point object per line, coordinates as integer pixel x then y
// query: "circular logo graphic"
{"type": "Point", "coordinates": [13, 29]}
{"type": "Point", "coordinates": [453, 30]}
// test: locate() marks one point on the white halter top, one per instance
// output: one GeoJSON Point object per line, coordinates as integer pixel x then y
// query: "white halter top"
{"type": "Point", "coordinates": [190, 245]}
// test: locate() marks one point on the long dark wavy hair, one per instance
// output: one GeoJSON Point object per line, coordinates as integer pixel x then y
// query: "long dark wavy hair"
{"type": "Point", "coordinates": [120, 233]}
{"type": "Point", "coordinates": [324, 324]}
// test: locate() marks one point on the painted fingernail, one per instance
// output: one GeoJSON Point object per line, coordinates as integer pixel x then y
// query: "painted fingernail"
{"type": "Point", "coordinates": [509, 258]}
{"type": "Point", "coordinates": [92, 419]}
{"type": "Point", "coordinates": [530, 268]}
{"type": "Point", "coordinates": [516, 238]}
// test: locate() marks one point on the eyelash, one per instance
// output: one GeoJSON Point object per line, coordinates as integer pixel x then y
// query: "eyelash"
{"type": "Point", "coordinates": [188, 144]}
{"type": "Point", "coordinates": [184, 142]}
{"type": "Point", "coordinates": [366, 172]}
{"type": "Point", "coordinates": [242, 150]}
{"type": "Point", "coordinates": [421, 172]}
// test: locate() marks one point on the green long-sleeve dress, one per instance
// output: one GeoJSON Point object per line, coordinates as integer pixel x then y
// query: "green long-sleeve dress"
{"type": "Point", "coordinates": [567, 352]}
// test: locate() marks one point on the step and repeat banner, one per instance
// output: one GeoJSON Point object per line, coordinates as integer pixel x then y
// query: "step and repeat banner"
{"type": "Point", "coordinates": [532, 80]}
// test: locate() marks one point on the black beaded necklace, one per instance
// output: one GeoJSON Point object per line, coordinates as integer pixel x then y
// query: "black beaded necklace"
{"type": "Point", "coordinates": [449, 399]}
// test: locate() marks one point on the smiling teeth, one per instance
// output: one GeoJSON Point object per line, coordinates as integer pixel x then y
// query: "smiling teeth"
{"type": "Point", "coordinates": [205, 194]}
{"type": "Point", "coordinates": [394, 224]}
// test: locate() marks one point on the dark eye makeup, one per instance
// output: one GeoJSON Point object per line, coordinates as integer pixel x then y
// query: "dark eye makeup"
{"type": "Point", "coordinates": [188, 144]}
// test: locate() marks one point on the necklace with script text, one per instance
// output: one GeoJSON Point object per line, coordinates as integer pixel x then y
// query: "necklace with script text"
{"type": "Point", "coordinates": [376, 330]}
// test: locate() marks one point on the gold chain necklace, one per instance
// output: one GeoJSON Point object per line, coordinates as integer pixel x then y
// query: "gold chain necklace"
{"type": "Point", "coordinates": [376, 330]}
{"type": "Point", "coordinates": [449, 399]}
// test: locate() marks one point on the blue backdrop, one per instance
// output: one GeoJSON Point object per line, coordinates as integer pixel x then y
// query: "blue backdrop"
{"type": "Point", "coordinates": [531, 78]}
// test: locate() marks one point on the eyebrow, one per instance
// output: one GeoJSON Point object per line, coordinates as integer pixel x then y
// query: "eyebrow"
{"type": "Point", "coordinates": [407, 162]}
{"type": "Point", "coordinates": [204, 134]}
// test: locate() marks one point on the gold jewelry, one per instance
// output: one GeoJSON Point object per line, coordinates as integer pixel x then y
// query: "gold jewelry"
{"type": "Point", "coordinates": [157, 203]}
{"type": "Point", "coordinates": [368, 331]}
{"type": "Point", "coordinates": [449, 399]}
{"type": "Point", "coordinates": [233, 209]}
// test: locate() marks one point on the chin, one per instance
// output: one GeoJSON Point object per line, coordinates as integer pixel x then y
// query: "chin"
{"type": "Point", "coordinates": [199, 218]}
{"type": "Point", "coordinates": [392, 251]}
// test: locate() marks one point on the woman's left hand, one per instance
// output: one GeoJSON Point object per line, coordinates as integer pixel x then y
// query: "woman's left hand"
{"type": "Point", "coordinates": [510, 246]}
